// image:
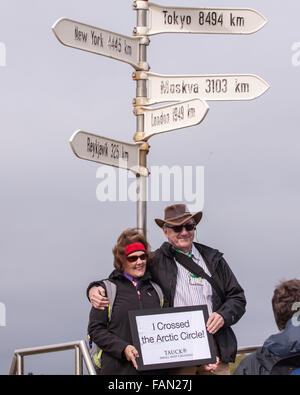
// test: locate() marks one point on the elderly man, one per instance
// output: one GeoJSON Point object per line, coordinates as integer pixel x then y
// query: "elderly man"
{"type": "Point", "coordinates": [192, 274]}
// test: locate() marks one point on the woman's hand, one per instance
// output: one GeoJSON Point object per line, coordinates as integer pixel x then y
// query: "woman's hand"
{"type": "Point", "coordinates": [212, 367]}
{"type": "Point", "coordinates": [98, 298]}
{"type": "Point", "coordinates": [131, 354]}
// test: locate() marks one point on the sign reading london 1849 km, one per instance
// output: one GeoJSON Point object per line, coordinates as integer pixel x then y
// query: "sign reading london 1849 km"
{"type": "Point", "coordinates": [172, 117]}
{"type": "Point", "coordinates": [164, 88]}
{"type": "Point", "coordinates": [102, 42]}
{"type": "Point", "coordinates": [165, 19]}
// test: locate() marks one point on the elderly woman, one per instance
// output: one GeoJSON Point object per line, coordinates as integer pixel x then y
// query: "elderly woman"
{"type": "Point", "coordinates": [134, 291]}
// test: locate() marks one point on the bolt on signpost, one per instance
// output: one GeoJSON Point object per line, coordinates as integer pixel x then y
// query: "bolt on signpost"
{"type": "Point", "coordinates": [188, 92]}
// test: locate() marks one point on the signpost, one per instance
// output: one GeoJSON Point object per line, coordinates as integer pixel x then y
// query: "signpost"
{"type": "Point", "coordinates": [172, 117]}
{"type": "Point", "coordinates": [165, 19]}
{"type": "Point", "coordinates": [107, 151]}
{"type": "Point", "coordinates": [102, 42]}
{"type": "Point", "coordinates": [164, 88]}
{"type": "Point", "coordinates": [188, 91]}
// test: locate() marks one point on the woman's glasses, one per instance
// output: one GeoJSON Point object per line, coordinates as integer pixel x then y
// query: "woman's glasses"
{"type": "Point", "coordinates": [178, 229]}
{"type": "Point", "coordinates": [134, 258]}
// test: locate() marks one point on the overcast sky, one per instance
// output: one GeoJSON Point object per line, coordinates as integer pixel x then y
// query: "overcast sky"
{"type": "Point", "coordinates": [56, 236]}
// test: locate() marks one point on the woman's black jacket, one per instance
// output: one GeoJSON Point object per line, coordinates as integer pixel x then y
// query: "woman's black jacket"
{"type": "Point", "coordinates": [113, 337]}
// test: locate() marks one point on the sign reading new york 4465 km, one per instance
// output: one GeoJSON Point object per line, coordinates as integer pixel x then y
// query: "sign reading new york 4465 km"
{"type": "Point", "coordinates": [99, 41]}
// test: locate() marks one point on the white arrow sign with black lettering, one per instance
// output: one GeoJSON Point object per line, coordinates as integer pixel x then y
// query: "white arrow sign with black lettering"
{"type": "Point", "coordinates": [172, 117]}
{"type": "Point", "coordinates": [164, 88]}
{"type": "Point", "coordinates": [102, 42]}
{"type": "Point", "coordinates": [165, 19]}
{"type": "Point", "coordinates": [107, 151]}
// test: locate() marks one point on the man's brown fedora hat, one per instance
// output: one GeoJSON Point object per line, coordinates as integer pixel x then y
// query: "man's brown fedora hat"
{"type": "Point", "coordinates": [178, 214]}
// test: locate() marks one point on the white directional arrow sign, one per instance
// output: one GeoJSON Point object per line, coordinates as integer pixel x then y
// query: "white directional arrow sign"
{"type": "Point", "coordinates": [107, 151]}
{"type": "Point", "coordinates": [164, 88]}
{"type": "Point", "coordinates": [102, 42]}
{"type": "Point", "coordinates": [172, 117]}
{"type": "Point", "coordinates": [165, 19]}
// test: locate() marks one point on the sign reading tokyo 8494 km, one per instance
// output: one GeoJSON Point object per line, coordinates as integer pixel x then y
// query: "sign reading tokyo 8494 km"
{"type": "Point", "coordinates": [165, 19]}
{"type": "Point", "coordinates": [99, 41]}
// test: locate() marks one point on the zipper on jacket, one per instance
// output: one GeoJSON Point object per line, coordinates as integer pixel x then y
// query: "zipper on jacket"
{"type": "Point", "coordinates": [139, 296]}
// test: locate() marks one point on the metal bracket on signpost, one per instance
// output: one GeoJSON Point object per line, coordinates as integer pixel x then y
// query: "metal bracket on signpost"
{"type": "Point", "coordinates": [140, 100]}
{"type": "Point", "coordinates": [139, 75]}
{"type": "Point", "coordinates": [140, 5]}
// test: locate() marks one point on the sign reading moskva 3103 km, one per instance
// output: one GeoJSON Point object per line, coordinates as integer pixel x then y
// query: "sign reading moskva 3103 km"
{"type": "Point", "coordinates": [164, 88]}
{"type": "Point", "coordinates": [172, 117]}
{"type": "Point", "coordinates": [102, 42]}
{"type": "Point", "coordinates": [106, 151]}
{"type": "Point", "coordinates": [165, 19]}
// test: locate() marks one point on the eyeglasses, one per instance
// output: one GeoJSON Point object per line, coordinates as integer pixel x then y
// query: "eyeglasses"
{"type": "Point", "coordinates": [134, 258]}
{"type": "Point", "coordinates": [178, 229]}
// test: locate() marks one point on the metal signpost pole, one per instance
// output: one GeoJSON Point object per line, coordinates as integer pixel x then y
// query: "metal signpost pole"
{"type": "Point", "coordinates": [141, 92]}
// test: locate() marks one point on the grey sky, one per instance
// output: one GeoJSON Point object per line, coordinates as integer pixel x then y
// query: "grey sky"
{"type": "Point", "coordinates": [56, 236]}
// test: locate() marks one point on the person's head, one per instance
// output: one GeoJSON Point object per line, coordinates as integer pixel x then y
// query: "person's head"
{"type": "Point", "coordinates": [179, 226]}
{"type": "Point", "coordinates": [131, 253]}
{"type": "Point", "coordinates": [285, 295]}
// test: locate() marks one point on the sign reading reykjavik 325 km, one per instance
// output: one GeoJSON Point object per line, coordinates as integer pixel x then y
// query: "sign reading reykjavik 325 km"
{"type": "Point", "coordinates": [175, 116]}
{"type": "Point", "coordinates": [106, 151]}
{"type": "Point", "coordinates": [102, 42]}
{"type": "Point", "coordinates": [165, 19]}
{"type": "Point", "coordinates": [164, 88]}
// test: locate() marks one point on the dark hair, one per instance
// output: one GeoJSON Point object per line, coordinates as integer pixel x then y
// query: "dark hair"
{"type": "Point", "coordinates": [285, 295]}
{"type": "Point", "coordinates": [127, 237]}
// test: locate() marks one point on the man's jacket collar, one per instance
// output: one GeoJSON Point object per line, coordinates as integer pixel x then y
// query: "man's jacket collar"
{"type": "Point", "coordinates": [211, 255]}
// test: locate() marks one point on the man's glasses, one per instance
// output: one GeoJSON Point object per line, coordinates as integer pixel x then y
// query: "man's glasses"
{"type": "Point", "coordinates": [178, 229]}
{"type": "Point", "coordinates": [134, 258]}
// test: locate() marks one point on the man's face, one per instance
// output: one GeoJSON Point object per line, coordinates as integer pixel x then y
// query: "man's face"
{"type": "Point", "coordinates": [182, 240]}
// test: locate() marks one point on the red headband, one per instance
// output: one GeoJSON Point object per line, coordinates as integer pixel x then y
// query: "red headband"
{"type": "Point", "coordinates": [134, 247]}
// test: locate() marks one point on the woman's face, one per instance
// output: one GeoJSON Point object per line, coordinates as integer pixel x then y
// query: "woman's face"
{"type": "Point", "coordinates": [135, 264]}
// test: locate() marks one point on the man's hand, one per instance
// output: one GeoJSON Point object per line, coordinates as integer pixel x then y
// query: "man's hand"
{"type": "Point", "coordinates": [131, 354]}
{"type": "Point", "coordinates": [214, 323]}
{"type": "Point", "coordinates": [97, 298]}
